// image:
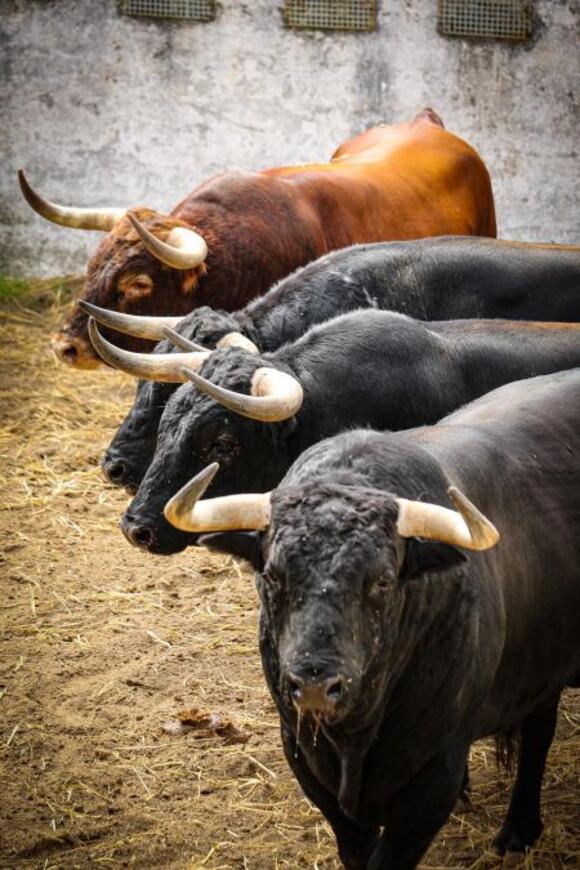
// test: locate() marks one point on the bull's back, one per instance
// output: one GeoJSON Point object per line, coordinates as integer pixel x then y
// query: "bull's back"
{"type": "Point", "coordinates": [380, 142]}
{"type": "Point", "coordinates": [403, 182]}
{"type": "Point", "coordinates": [400, 182]}
{"type": "Point", "coordinates": [492, 278]}
{"type": "Point", "coordinates": [430, 279]}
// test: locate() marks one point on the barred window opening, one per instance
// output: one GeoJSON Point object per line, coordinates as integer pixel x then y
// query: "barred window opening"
{"type": "Point", "coordinates": [497, 19]}
{"type": "Point", "coordinates": [192, 10]}
{"type": "Point", "coordinates": [331, 14]}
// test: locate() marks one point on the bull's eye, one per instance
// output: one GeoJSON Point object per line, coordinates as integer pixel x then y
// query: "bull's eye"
{"type": "Point", "coordinates": [135, 287]}
{"type": "Point", "coordinates": [225, 449]}
{"type": "Point", "coordinates": [118, 297]}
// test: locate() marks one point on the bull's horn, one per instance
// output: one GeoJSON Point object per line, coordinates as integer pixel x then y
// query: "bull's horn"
{"type": "Point", "coordinates": [182, 342]}
{"type": "Point", "coordinates": [236, 339]}
{"type": "Point", "coordinates": [130, 324]}
{"type": "Point", "coordinates": [166, 367]}
{"type": "Point", "coordinates": [466, 527]}
{"type": "Point", "coordinates": [232, 339]}
{"type": "Point", "coordinates": [82, 218]}
{"type": "Point", "coordinates": [274, 395]}
{"type": "Point", "coordinates": [241, 512]}
{"type": "Point", "coordinates": [184, 248]}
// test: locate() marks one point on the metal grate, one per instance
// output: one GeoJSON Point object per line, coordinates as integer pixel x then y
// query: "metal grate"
{"type": "Point", "coordinates": [331, 14]}
{"type": "Point", "coordinates": [193, 10]}
{"type": "Point", "coordinates": [498, 19]}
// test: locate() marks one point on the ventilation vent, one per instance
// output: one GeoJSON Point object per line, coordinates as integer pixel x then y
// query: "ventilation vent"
{"type": "Point", "coordinates": [331, 14]}
{"type": "Point", "coordinates": [192, 10]}
{"type": "Point", "coordinates": [496, 19]}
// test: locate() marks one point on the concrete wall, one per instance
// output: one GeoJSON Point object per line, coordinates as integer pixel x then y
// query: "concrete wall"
{"type": "Point", "coordinates": [104, 109]}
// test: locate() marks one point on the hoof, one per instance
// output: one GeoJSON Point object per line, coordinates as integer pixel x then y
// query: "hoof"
{"type": "Point", "coordinates": [462, 805]}
{"type": "Point", "coordinates": [516, 838]}
{"type": "Point", "coordinates": [511, 860]}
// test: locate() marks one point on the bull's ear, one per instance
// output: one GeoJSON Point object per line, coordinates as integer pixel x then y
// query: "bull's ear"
{"type": "Point", "coordinates": [244, 545]}
{"type": "Point", "coordinates": [428, 557]}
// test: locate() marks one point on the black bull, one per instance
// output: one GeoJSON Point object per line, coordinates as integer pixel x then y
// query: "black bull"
{"type": "Point", "coordinates": [433, 652]}
{"type": "Point", "coordinates": [441, 278]}
{"type": "Point", "coordinates": [370, 368]}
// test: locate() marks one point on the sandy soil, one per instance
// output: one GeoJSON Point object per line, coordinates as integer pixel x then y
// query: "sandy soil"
{"type": "Point", "coordinates": [101, 646]}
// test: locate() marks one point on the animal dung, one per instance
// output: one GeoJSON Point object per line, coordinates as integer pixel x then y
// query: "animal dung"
{"type": "Point", "coordinates": [206, 725]}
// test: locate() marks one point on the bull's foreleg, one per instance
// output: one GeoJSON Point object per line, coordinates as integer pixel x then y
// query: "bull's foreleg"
{"type": "Point", "coordinates": [523, 824]}
{"type": "Point", "coordinates": [464, 801]}
{"type": "Point", "coordinates": [419, 810]}
{"type": "Point", "coordinates": [355, 844]}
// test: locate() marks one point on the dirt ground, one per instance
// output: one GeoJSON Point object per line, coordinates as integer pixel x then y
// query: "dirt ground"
{"type": "Point", "coordinates": [102, 646]}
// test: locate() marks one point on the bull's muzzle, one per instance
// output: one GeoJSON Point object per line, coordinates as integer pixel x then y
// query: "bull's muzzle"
{"type": "Point", "coordinates": [319, 696]}
{"type": "Point", "coordinates": [139, 534]}
{"type": "Point", "coordinates": [153, 534]}
{"type": "Point", "coordinates": [119, 473]}
{"type": "Point", "coordinates": [74, 351]}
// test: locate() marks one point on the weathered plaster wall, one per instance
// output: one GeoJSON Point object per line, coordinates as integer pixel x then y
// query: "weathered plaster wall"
{"type": "Point", "coordinates": [103, 109]}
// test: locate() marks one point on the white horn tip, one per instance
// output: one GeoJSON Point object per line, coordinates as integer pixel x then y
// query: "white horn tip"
{"type": "Point", "coordinates": [178, 509]}
{"type": "Point", "coordinates": [181, 342]}
{"type": "Point", "coordinates": [483, 531]}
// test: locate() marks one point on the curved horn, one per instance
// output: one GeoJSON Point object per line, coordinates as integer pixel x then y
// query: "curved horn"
{"type": "Point", "coordinates": [166, 367]}
{"type": "Point", "coordinates": [130, 324]}
{"type": "Point", "coordinates": [103, 219]}
{"type": "Point", "coordinates": [466, 527]}
{"type": "Point", "coordinates": [184, 248]}
{"type": "Point", "coordinates": [275, 395]}
{"type": "Point", "coordinates": [236, 339]}
{"type": "Point", "coordinates": [181, 342]}
{"type": "Point", "coordinates": [232, 339]}
{"type": "Point", "coordinates": [241, 512]}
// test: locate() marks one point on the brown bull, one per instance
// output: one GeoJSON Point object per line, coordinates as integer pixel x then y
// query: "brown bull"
{"type": "Point", "coordinates": [238, 233]}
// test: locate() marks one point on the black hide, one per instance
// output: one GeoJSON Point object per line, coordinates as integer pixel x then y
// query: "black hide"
{"type": "Point", "coordinates": [370, 368]}
{"type": "Point", "coordinates": [441, 278]}
{"type": "Point", "coordinates": [431, 659]}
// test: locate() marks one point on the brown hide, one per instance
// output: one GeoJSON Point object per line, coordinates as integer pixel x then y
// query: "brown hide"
{"type": "Point", "coordinates": [395, 182]}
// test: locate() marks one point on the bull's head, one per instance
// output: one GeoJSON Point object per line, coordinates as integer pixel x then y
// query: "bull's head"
{"type": "Point", "coordinates": [332, 563]}
{"type": "Point", "coordinates": [241, 414]}
{"type": "Point", "coordinates": [132, 449]}
{"type": "Point", "coordinates": [146, 259]}
{"type": "Point", "coordinates": [129, 454]}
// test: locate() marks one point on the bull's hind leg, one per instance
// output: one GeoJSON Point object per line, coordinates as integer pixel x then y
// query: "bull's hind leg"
{"type": "Point", "coordinates": [523, 824]}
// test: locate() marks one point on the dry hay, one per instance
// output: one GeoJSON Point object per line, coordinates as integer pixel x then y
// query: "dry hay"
{"type": "Point", "coordinates": [103, 646]}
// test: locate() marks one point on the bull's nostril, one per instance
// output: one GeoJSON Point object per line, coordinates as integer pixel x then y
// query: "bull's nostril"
{"type": "Point", "coordinates": [295, 688]}
{"type": "Point", "coordinates": [334, 690]}
{"type": "Point", "coordinates": [139, 536]}
{"type": "Point", "coordinates": [143, 536]}
{"type": "Point", "coordinates": [114, 471]}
